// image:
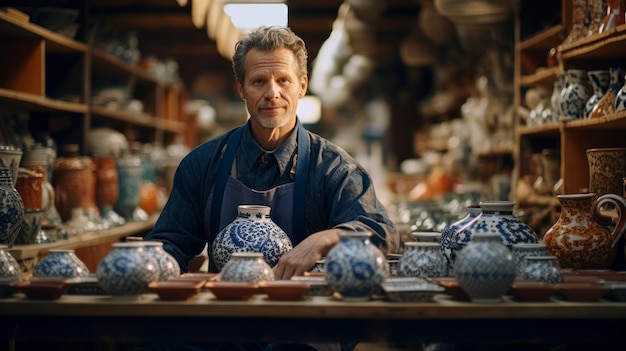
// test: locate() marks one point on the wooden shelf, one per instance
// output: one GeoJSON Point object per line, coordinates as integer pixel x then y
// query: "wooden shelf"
{"type": "Point", "coordinates": [546, 39]}
{"type": "Point", "coordinates": [26, 101]}
{"type": "Point", "coordinates": [12, 27]}
{"type": "Point", "coordinates": [607, 45]}
{"type": "Point", "coordinates": [544, 76]}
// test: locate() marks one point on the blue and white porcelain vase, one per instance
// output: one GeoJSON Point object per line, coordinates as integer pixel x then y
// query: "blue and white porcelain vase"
{"type": "Point", "coordinates": [620, 98]}
{"type": "Point", "coordinates": [543, 269]}
{"type": "Point", "coordinates": [168, 266]}
{"type": "Point", "coordinates": [575, 96]}
{"type": "Point", "coordinates": [252, 231]}
{"type": "Point", "coordinates": [130, 175]}
{"type": "Point", "coordinates": [127, 270]}
{"type": "Point", "coordinates": [10, 271]}
{"type": "Point", "coordinates": [11, 209]}
{"type": "Point", "coordinates": [421, 259]}
{"type": "Point", "coordinates": [457, 235]}
{"type": "Point", "coordinates": [599, 80]}
{"type": "Point", "coordinates": [355, 268]}
{"type": "Point", "coordinates": [497, 217]}
{"type": "Point", "coordinates": [485, 268]}
{"type": "Point", "coordinates": [246, 267]}
{"type": "Point", "coordinates": [523, 250]}
{"type": "Point", "coordinates": [60, 263]}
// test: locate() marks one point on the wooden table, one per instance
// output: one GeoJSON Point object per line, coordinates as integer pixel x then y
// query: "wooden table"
{"type": "Point", "coordinates": [101, 319]}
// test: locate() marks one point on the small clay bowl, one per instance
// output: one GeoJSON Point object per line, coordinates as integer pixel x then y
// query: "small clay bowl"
{"type": "Point", "coordinates": [43, 289]}
{"type": "Point", "coordinates": [225, 290]}
{"type": "Point", "coordinates": [582, 292]}
{"type": "Point", "coordinates": [532, 291]}
{"type": "Point", "coordinates": [284, 290]}
{"type": "Point", "coordinates": [581, 279]}
{"type": "Point", "coordinates": [176, 290]}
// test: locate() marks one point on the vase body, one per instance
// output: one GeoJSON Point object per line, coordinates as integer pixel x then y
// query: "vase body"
{"type": "Point", "coordinates": [246, 267]}
{"type": "Point", "coordinates": [253, 230]}
{"type": "Point", "coordinates": [497, 217]}
{"type": "Point", "coordinates": [60, 263]}
{"type": "Point", "coordinates": [575, 95]}
{"type": "Point", "coordinates": [599, 80]}
{"type": "Point", "coordinates": [11, 209]}
{"type": "Point", "coordinates": [10, 271]}
{"type": "Point", "coordinates": [422, 259]}
{"type": "Point", "coordinates": [485, 268]}
{"type": "Point", "coordinates": [606, 104]}
{"type": "Point", "coordinates": [543, 269]}
{"type": "Point", "coordinates": [168, 267]}
{"type": "Point", "coordinates": [620, 98]}
{"type": "Point", "coordinates": [130, 173]}
{"type": "Point", "coordinates": [579, 238]}
{"type": "Point", "coordinates": [457, 235]}
{"type": "Point", "coordinates": [40, 158]}
{"type": "Point", "coordinates": [10, 158]}
{"type": "Point", "coordinates": [355, 268]}
{"type": "Point", "coordinates": [127, 270]}
{"type": "Point", "coordinates": [521, 251]}
{"type": "Point", "coordinates": [607, 169]}
{"type": "Point", "coordinates": [107, 189]}
{"type": "Point", "coordinates": [70, 182]}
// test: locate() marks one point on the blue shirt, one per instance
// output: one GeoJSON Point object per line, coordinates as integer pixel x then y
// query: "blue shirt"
{"type": "Point", "coordinates": [340, 193]}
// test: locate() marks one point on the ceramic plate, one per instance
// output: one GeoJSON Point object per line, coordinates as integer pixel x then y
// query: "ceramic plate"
{"type": "Point", "coordinates": [232, 290]}
{"type": "Point", "coordinates": [284, 290]}
{"type": "Point", "coordinates": [43, 289]}
{"type": "Point", "coordinates": [174, 290]}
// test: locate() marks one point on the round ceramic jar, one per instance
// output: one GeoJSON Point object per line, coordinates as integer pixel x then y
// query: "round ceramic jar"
{"type": "Point", "coordinates": [543, 268]}
{"type": "Point", "coordinates": [246, 267]}
{"type": "Point", "coordinates": [253, 231]}
{"type": "Point", "coordinates": [523, 250]}
{"type": "Point", "coordinates": [422, 259]}
{"type": "Point", "coordinates": [9, 267]}
{"type": "Point", "coordinates": [168, 266]}
{"type": "Point", "coordinates": [355, 268]}
{"type": "Point", "coordinates": [60, 263]}
{"type": "Point", "coordinates": [127, 270]}
{"type": "Point", "coordinates": [457, 235]}
{"type": "Point", "coordinates": [485, 268]}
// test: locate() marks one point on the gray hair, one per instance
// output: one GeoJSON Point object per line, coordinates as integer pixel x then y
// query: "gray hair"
{"type": "Point", "coordinates": [269, 39]}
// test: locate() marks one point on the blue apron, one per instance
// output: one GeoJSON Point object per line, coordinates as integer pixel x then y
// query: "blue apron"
{"type": "Point", "coordinates": [287, 201]}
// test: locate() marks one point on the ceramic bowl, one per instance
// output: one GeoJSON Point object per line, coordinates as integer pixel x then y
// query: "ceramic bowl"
{"type": "Point", "coordinates": [225, 290]}
{"type": "Point", "coordinates": [43, 289]}
{"type": "Point", "coordinates": [530, 291]}
{"type": "Point", "coordinates": [285, 290]}
{"type": "Point", "coordinates": [176, 290]}
{"type": "Point", "coordinates": [582, 292]}
{"type": "Point", "coordinates": [406, 291]}
{"type": "Point", "coordinates": [318, 286]}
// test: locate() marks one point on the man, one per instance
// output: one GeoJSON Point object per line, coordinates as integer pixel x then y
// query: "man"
{"type": "Point", "coordinates": [269, 155]}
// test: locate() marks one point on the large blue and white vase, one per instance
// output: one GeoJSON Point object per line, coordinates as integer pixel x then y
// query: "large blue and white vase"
{"type": "Point", "coordinates": [422, 259]}
{"type": "Point", "coordinates": [355, 268]}
{"type": "Point", "coordinates": [246, 267]}
{"type": "Point", "coordinates": [252, 231]}
{"type": "Point", "coordinates": [575, 95]}
{"type": "Point", "coordinates": [599, 80]}
{"type": "Point", "coordinates": [60, 263]}
{"type": "Point", "coordinates": [11, 209]}
{"type": "Point", "coordinates": [485, 268]}
{"type": "Point", "coordinates": [10, 271]}
{"type": "Point", "coordinates": [498, 217]}
{"type": "Point", "coordinates": [457, 235]}
{"type": "Point", "coordinates": [127, 270]}
{"type": "Point", "coordinates": [168, 266]}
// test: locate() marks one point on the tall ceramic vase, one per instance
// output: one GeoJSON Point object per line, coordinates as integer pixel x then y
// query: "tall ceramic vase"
{"type": "Point", "coordinates": [252, 231]}
{"type": "Point", "coordinates": [607, 170]}
{"type": "Point", "coordinates": [130, 173]}
{"type": "Point", "coordinates": [575, 95]}
{"type": "Point", "coordinates": [10, 271]}
{"type": "Point", "coordinates": [579, 238]}
{"type": "Point", "coordinates": [606, 104]}
{"type": "Point", "coordinates": [599, 80]}
{"type": "Point", "coordinates": [107, 189]}
{"type": "Point", "coordinates": [11, 209]}
{"type": "Point", "coordinates": [355, 268]}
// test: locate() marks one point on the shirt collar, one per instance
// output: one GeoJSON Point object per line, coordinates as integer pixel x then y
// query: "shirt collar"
{"type": "Point", "coordinates": [250, 151]}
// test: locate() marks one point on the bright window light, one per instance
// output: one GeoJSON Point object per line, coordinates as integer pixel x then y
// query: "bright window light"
{"type": "Point", "coordinates": [309, 109]}
{"type": "Point", "coordinates": [249, 16]}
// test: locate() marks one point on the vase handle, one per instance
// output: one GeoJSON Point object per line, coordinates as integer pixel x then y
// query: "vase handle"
{"type": "Point", "coordinates": [620, 207]}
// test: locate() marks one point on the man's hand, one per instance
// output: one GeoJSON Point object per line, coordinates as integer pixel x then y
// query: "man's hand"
{"type": "Point", "coordinates": [304, 256]}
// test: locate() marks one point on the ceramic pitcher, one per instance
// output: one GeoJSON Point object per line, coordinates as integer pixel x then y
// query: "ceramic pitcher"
{"type": "Point", "coordinates": [580, 237]}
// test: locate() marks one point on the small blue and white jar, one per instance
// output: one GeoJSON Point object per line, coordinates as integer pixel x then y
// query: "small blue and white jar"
{"type": "Point", "coordinates": [497, 217]}
{"type": "Point", "coordinates": [457, 235]}
{"type": "Point", "coordinates": [485, 268]}
{"type": "Point", "coordinates": [355, 268]}
{"type": "Point", "coordinates": [252, 231]}
{"type": "Point", "coordinates": [543, 269]}
{"type": "Point", "coordinates": [422, 259]}
{"type": "Point", "coordinates": [60, 263]}
{"type": "Point", "coordinates": [127, 270]}
{"type": "Point", "coordinates": [522, 250]}
{"type": "Point", "coordinates": [168, 266]}
{"type": "Point", "coordinates": [10, 271]}
{"type": "Point", "coordinates": [246, 267]}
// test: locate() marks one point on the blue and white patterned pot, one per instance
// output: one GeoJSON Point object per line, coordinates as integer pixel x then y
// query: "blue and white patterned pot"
{"type": "Point", "coordinates": [457, 235]}
{"type": "Point", "coordinates": [523, 250]}
{"type": "Point", "coordinates": [31, 227]}
{"type": "Point", "coordinates": [355, 268]}
{"type": "Point", "coordinates": [543, 269]}
{"type": "Point", "coordinates": [497, 217]}
{"type": "Point", "coordinates": [252, 231]}
{"type": "Point", "coordinates": [168, 266]}
{"type": "Point", "coordinates": [575, 95]}
{"type": "Point", "coordinates": [130, 176]}
{"type": "Point", "coordinates": [620, 98]}
{"type": "Point", "coordinates": [11, 209]}
{"type": "Point", "coordinates": [60, 263]}
{"type": "Point", "coordinates": [9, 267]}
{"type": "Point", "coordinates": [127, 270]}
{"type": "Point", "coordinates": [422, 260]}
{"type": "Point", "coordinates": [246, 267]}
{"type": "Point", "coordinates": [485, 268]}
{"type": "Point", "coordinates": [599, 80]}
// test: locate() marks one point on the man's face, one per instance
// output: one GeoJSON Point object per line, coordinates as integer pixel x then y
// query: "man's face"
{"type": "Point", "coordinates": [272, 88]}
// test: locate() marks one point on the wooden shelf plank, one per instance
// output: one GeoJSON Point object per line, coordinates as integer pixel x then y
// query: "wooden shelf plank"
{"type": "Point", "coordinates": [607, 45]}
{"type": "Point", "coordinates": [546, 39]}
{"type": "Point", "coordinates": [12, 27]}
{"type": "Point", "coordinates": [542, 77]}
{"type": "Point", "coordinates": [19, 100]}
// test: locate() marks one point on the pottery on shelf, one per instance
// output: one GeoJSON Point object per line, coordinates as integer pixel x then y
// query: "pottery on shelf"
{"type": "Point", "coordinates": [620, 99]}
{"type": "Point", "coordinates": [246, 267]}
{"type": "Point", "coordinates": [422, 259]}
{"type": "Point", "coordinates": [130, 173]}
{"type": "Point", "coordinates": [599, 80]}
{"type": "Point", "coordinates": [11, 209]}
{"type": "Point", "coordinates": [523, 250]}
{"type": "Point", "coordinates": [168, 266]}
{"type": "Point", "coordinates": [10, 157]}
{"type": "Point", "coordinates": [606, 104]}
{"type": "Point", "coordinates": [60, 263]}
{"type": "Point", "coordinates": [10, 271]}
{"type": "Point", "coordinates": [607, 169]}
{"type": "Point", "coordinates": [543, 269]}
{"type": "Point", "coordinates": [575, 95]}
{"type": "Point", "coordinates": [30, 231]}
{"type": "Point", "coordinates": [457, 235]}
{"type": "Point", "coordinates": [253, 230]}
{"type": "Point", "coordinates": [355, 268]}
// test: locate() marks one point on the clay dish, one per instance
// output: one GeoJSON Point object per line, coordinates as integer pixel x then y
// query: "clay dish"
{"type": "Point", "coordinates": [533, 291]}
{"type": "Point", "coordinates": [285, 290]}
{"type": "Point", "coordinates": [196, 277]}
{"type": "Point", "coordinates": [581, 279]}
{"type": "Point", "coordinates": [176, 290]}
{"type": "Point", "coordinates": [582, 292]}
{"type": "Point", "coordinates": [44, 289]}
{"type": "Point", "coordinates": [224, 290]}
